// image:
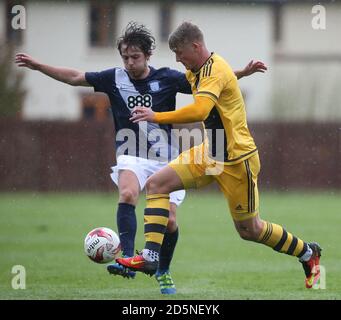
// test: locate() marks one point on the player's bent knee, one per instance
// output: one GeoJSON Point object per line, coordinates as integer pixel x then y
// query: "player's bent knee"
{"type": "Point", "coordinates": [250, 229]}
{"type": "Point", "coordinates": [153, 186]}
{"type": "Point", "coordinates": [248, 235]}
{"type": "Point", "coordinates": [128, 196]}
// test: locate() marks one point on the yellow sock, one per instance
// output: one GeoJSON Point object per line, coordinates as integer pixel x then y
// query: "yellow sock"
{"type": "Point", "coordinates": [276, 237]}
{"type": "Point", "coordinates": [155, 220]}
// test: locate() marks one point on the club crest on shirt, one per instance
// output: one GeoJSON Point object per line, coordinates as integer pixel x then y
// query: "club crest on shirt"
{"type": "Point", "coordinates": [154, 86]}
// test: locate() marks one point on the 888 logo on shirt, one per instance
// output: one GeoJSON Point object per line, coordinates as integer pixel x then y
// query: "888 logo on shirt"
{"type": "Point", "coordinates": [140, 101]}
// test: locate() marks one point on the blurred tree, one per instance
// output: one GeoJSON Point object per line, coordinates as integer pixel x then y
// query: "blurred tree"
{"type": "Point", "coordinates": [12, 93]}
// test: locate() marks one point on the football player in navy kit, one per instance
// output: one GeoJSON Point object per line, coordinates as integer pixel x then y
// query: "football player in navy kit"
{"type": "Point", "coordinates": [138, 157]}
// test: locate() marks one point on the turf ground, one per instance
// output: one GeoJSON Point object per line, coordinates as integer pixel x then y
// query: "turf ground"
{"type": "Point", "coordinates": [45, 232]}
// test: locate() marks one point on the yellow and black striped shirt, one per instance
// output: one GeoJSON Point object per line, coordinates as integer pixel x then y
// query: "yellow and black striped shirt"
{"type": "Point", "coordinates": [217, 81]}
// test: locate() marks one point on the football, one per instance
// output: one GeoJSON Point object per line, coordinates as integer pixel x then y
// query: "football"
{"type": "Point", "coordinates": [102, 245]}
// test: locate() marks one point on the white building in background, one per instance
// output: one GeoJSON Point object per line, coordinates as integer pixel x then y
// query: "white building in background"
{"type": "Point", "coordinates": [304, 63]}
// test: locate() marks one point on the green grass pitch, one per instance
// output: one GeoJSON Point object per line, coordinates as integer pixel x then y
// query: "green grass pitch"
{"type": "Point", "coordinates": [45, 233]}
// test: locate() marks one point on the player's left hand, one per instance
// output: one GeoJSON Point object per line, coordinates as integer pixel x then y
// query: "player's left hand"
{"type": "Point", "coordinates": [142, 114]}
{"type": "Point", "coordinates": [252, 67]}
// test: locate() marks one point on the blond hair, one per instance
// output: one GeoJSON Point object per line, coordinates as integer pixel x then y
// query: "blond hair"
{"type": "Point", "coordinates": [186, 32]}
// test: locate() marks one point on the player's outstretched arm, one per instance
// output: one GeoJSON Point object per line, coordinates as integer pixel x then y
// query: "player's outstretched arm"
{"type": "Point", "coordinates": [70, 76]}
{"type": "Point", "coordinates": [194, 112]}
{"type": "Point", "coordinates": [251, 68]}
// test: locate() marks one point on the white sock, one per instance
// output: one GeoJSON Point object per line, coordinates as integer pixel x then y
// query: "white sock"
{"type": "Point", "coordinates": [307, 255]}
{"type": "Point", "coordinates": [150, 255]}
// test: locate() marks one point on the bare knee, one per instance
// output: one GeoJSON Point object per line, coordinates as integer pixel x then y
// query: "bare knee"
{"type": "Point", "coordinates": [247, 234]}
{"type": "Point", "coordinates": [128, 196]}
{"type": "Point", "coordinates": [250, 231]}
{"type": "Point", "coordinates": [153, 186]}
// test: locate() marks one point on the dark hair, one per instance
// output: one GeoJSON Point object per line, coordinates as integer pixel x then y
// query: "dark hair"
{"type": "Point", "coordinates": [183, 34]}
{"type": "Point", "coordinates": [137, 35]}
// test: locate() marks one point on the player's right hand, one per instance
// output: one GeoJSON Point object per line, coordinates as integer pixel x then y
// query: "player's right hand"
{"type": "Point", "coordinates": [142, 114]}
{"type": "Point", "coordinates": [24, 60]}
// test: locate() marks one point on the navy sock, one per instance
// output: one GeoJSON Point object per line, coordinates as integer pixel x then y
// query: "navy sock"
{"type": "Point", "coordinates": [126, 224]}
{"type": "Point", "coordinates": [167, 250]}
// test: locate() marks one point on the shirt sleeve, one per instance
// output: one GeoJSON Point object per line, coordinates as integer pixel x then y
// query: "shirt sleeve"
{"type": "Point", "coordinates": [182, 84]}
{"type": "Point", "coordinates": [211, 86]}
{"type": "Point", "coordinates": [197, 111]}
{"type": "Point", "coordinates": [101, 81]}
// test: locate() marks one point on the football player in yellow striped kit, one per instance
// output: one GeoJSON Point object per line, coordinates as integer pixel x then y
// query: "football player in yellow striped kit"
{"type": "Point", "coordinates": [231, 159]}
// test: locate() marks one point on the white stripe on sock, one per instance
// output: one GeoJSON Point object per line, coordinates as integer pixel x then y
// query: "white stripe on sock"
{"type": "Point", "coordinates": [307, 255]}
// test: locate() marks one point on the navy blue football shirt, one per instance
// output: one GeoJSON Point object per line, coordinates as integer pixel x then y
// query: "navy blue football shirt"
{"type": "Point", "coordinates": [157, 91]}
